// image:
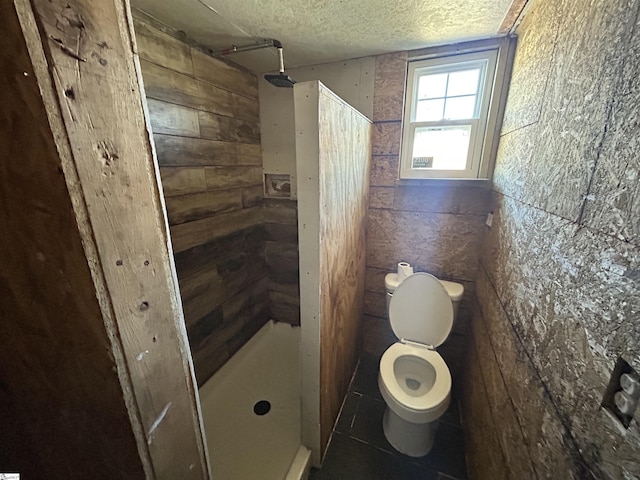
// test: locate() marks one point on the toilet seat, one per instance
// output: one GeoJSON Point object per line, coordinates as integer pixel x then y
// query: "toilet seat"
{"type": "Point", "coordinates": [418, 409]}
{"type": "Point", "coordinates": [421, 316]}
{"type": "Point", "coordinates": [421, 310]}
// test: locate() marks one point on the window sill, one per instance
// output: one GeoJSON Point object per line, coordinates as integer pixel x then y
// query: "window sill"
{"type": "Point", "coordinates": [444, 182]}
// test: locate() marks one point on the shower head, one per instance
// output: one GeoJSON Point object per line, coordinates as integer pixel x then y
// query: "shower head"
{"type": "Point", "coordinates": [280, 80]}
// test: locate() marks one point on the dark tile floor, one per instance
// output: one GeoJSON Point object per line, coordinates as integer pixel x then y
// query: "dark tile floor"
{"type": "Point", "coordinates": [359, 449]}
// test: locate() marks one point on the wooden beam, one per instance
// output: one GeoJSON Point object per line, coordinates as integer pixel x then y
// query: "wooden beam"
{"type": "Point", "coordinates": [512, 16]}
{"type": "Point", "coordinates": [82, 62]}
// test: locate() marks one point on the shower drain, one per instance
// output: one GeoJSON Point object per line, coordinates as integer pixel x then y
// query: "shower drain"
{"type": "Point", "coordinates": [262, 407]}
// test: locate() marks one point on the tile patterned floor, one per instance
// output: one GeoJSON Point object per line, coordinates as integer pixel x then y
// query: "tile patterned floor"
{"type": "Point", "coordinates": [359, 450]}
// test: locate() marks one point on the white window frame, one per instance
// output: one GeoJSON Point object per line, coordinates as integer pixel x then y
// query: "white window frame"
{"type": "Point", "coordinates": [481, 144]}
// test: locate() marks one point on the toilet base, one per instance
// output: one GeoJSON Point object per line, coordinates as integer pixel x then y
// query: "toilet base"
{"type": "Point", "coordinates": [412, 439]}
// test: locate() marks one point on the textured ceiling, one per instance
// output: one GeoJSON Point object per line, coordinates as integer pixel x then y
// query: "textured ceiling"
{"type": "Point", "coordinates": [320, 31]}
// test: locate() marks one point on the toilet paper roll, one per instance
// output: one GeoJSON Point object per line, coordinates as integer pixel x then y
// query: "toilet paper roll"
{"type": "Point", "coordinates": [404, 271]}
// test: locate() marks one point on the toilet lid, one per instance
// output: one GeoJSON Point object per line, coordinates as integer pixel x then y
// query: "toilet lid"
{"type": "Point", "coordinates": [421, 310]}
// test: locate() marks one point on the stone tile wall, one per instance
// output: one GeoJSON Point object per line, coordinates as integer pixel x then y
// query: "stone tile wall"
{"type": "Point", "coordinates": [559, 280]}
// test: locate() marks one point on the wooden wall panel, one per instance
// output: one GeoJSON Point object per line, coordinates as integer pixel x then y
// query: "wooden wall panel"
{"type": "Point", "coordinates": [229, 129]}
{"type": "Point", "coordinates": [96, 376]}
{"type": "Point", "coordinates": [281, 253]}
{"type": "Point", "coordinates": [224, 75]}
{"type": "Point", "coordinates": [333, 193]}
{"type": "Point", "coordinates": [438, 228]}
{"type": "Point", "coordinates": [558, 283]}
{"type": "Point", "coordinates": [187, 208]}
{"type": "Point", "coordinates": [345, 146]}
{"type": "Point", "coordinates": [204, 115]}
{"type": "Point", "coordinates": [162, 49]}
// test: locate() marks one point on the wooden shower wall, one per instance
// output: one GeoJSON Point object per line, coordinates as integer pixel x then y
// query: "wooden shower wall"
{"type": "Point", "coordinates": [204, 116]}
{"type": "Point", "coordinates": [333, 146]}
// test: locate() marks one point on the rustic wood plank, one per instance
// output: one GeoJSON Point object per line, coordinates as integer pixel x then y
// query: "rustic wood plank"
{"type": "Point", "coordinates": [186, 208]}
{"type": "Point", "coordinates": [189, 235]}
{"type": "Point", "coordinates": [277, 252]}
{"type": "Point", "coordinates": [292, 289]}
{"type": "Point", "coordinates": [221, 177]}
{"type": "Point", "coordinates": [199, 331]}
{"type": "Point", "coordinates": [232, 307]}
{"type": "Point", "coordinates": [282, 233]}
{"type": "Point", "coordinates": [208, 360]}
{"type": "Point", "coordinates": [249, 154]}
{"type": "Point", "coordinates": [218, 127]}
{"type": "Point", "coordinates": [224, 75]}
{"type": "Point", "coordinates": [252, 196]}
{"type": "Point", "coordinates": [246, 107]}
{"type": "Point", "coordinates": [169, 86]}
{"type": "Point", "coordinates": [205, 179]}
{"type": "Point", "coordinates": [95, 111]}
{"type": "Point", "coordinates": [199, 258]}
{"type": "Point", "coordinates": [208, 290]}
{"type": "Point", "coordinates": [282, 212]}
{"type": "Point", "coordinates": [162, 49]}
{"type": "Point", "coordinates": [173, 87]}
{"type": "Point", "coordinates": [173, 119]}
{"type": "Point", "coordinates": [180, 181]}
{"type": "Point", "coordinates": [175, 151]}
{"type": "Point", "coordinates": [249, 329]}
{"type": "Point", "coordinates": [284, 308]}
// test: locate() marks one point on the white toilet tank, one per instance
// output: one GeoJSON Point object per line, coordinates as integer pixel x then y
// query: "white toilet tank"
{"type": "Point", "coordinates": [455, 291]}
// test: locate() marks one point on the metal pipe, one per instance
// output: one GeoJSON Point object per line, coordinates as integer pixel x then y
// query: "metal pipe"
{"type": "Point", "coordinates": [281, 59]}
{"type": "Point", "coordinates": [247, 48]}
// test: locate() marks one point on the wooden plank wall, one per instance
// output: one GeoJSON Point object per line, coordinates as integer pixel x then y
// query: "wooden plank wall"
{"type": "Point", "coordinates": [204, 116]}
{"type": "Point", "coordinates": [436, 228]}
{"type": "Point", "coordinates": [281, 224]}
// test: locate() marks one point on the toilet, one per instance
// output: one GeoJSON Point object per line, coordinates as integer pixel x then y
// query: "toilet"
{"type": "Point", "coordinates": [414, 380]}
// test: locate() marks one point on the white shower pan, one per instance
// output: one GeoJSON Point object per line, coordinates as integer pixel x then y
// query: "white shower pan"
{"type": "Point", "coordinates": [263, 375]}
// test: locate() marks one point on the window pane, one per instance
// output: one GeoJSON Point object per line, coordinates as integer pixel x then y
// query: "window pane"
{"type": "Point", "coordinates": [459, 108]}
{"type": "Point", "coordinates": [429, 110]}
{"type": "Point", "coordinates": [463, 83]}
{"type": "Point", "coordinates": [432, 86]}
{"type": "Point", "coordinates": [441, 148]}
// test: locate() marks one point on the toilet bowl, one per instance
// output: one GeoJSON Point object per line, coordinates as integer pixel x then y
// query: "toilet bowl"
{"type": "Point", "coordinates": [413, 379]}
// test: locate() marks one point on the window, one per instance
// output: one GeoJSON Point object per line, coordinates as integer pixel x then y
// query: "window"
{"type": "Point", "coordinates": [449, 119]}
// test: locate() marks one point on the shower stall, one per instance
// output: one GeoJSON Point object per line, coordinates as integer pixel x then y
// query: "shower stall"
{"type": "Point", "coordinates": [270, 410]}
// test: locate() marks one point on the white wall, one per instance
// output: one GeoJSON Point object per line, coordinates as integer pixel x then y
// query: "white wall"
{"type": "Point", "coordinates": [352, 80]}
